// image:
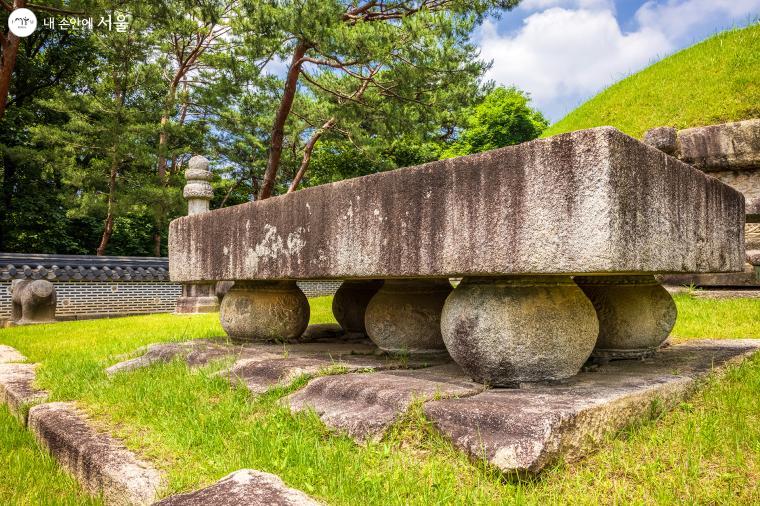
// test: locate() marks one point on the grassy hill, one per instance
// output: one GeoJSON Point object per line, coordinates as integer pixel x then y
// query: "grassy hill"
{"type": "Point", "coordinates": [714, 81]}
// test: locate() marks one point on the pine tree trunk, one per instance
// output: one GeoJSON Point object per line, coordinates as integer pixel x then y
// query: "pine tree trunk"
{"type": "Point", "coordinates": [307, 153]}
{"type": "Point", "coordinates": [108, 228]}
{"type": "Point", "coordinates": [278, 129]}
{"type": "Point", "coordinates": [157, 243]}
{"type": "Point", "coordinates": [10, 45]}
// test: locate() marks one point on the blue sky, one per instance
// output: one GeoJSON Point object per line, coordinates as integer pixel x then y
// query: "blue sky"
{"type": "Point", "coordinates": [563, 52]}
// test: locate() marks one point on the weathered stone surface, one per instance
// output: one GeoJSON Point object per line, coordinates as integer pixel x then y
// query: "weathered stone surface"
{"type": "Point", "coordinates": [17, 388]}
{"type": "Point", "coordinates": [9, 355]}
{"type": "Point", "coordinates": [745, 181]}
{"type": "Point", "coordinates": [733, 146]}
{"type": "Point", "coordinates": [504, 331]}
{"type": "Point", "coordinates": [753, 257]}
{"type": "Point", "coordinates": [261, 311]}
{"type": "Point", "coordinates": [747, 278]}
{"type": "Point", "coordinates": [198, 190]}
{"type": "Point", "coordinates": [592, 201]}
{"type": "Point", "coordinates": [243, 488]}
{"type": "Point", "coordinates": [405, 316]}
{"type": "Point", "coordinates": [350, 303]}
{"type": "Point", "coordinates": [364, 405]}
{"type": "Point", "coordinates": [200, 352]}
{"type": "Point", "coordinates": [196, 353]}
{"type": "Point", "coordinates": [635, 313]}
{"type": "Point", "coordinates": [523, 430]}
{"type": "Point", "coordinates": [33, 301]}
{"type": "Point", "coordinates": [197, 298]}
{"type": "Point", "coordinates": [267, 370]}
{"type": "Point", "coordinates": [663, 138]}
{"type": "Point", "coordinates": [97, 461]}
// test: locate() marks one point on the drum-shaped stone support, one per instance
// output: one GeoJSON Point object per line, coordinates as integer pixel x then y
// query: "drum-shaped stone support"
{"type": "Point", "coordinates": [511, 330]}
{"type": "Point", "coordinates": [350, 303]}
{"type": "Point", "coordinates": [257, 311]}
{"type": "Point", "coordinates": [636, 314]}
{"type": "Point", "coordinates": [405, 315]}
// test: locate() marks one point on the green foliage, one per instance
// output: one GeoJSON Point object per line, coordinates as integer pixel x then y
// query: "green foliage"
{"type": "Point", "coordinates": [503, 118]}
{"type": "Point", "coordinates": [101, 124]}
{"type": "Point", "coordinates": [715, 81]}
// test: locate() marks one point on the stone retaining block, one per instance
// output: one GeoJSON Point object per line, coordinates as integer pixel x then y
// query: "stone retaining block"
{"type": "Point", "coordinates": [100, 464]}
{"type": "Point", "coordinates": [17, 389]}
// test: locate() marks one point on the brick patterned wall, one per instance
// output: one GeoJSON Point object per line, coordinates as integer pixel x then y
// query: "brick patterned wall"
{"type": "Point", "coordinates": [113, 298]}
{"type": "Point", "coordinates": [104, 298]}
{"type": "Point", "coordinates": [319, 288]}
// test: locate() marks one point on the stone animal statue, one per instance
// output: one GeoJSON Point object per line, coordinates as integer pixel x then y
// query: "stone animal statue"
{"type": "Point", "coordinates": [33, 301]}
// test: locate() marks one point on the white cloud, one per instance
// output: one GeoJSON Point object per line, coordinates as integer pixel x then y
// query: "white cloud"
{"type": "Point", "coordinates": [562, 54]}
{"type": "Point", "coordinates": [539, 5]}
{"type": "Point", "coordinates": [567, 50]}
{"type": "Point", "coordinates": [677, 17]}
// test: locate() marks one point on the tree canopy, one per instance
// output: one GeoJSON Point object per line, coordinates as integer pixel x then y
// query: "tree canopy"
{"type": "Point", "coordinates": [98, 124]}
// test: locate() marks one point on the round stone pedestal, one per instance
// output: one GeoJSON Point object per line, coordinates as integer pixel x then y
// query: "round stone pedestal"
{"type": "Point", "coordinates": [635, 314]}
{"type": "Point", "coordinates": [405, 315]}
{"type": "Point", "coordinates": [264, 311]}
{"type": "Point", "coordinates": [506, 331]}
{"type": "Point", "coordinates": [350, 303]}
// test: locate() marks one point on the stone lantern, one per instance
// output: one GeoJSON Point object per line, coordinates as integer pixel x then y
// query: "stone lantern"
{"type": "Point", "coordinates": [198, 297]}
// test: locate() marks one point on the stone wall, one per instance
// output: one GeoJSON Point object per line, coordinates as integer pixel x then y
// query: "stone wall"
{"type": "Point", "coordinates": [319, 288]}
{"type": "Point", "coordinates": [94, 287]}
{"type": "Point", "coordinates": [93, 299]}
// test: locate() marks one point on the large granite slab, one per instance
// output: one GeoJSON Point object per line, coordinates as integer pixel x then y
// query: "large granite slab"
{"type": "Point", "coordinates": [98, 462]}
{"type": "Point", "coordinates": [592, 201]}
{"type": "Point", "coordinates": [365, 405]}
{"type": "Point", "coordinates": [243, 488]}
{"type": "Point", "coordinates": [523, 430]}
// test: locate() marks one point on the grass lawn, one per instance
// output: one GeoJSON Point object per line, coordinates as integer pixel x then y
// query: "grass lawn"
{"type": "Point", "coordinates": [715, 81]}
{"type": "Point", "coordinates": [197, 429]}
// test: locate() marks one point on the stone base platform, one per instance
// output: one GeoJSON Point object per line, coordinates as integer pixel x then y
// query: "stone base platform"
{"type": "Point", "coordinates": [364, 405]}
{"type": "Point", "coordinates": [356, 389]}
{"type": "Point", "coordinates": [523, 430]}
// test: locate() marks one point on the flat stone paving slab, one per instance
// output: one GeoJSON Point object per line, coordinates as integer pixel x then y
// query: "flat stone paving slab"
{"type": "Point", "coordinates": [9, 355]}
{"type": "Point", "coordinates": [524, 430]}
{"type": "Point", "coordinates": [365, 405]}
{"type": "Point", "coordinates": [196, 353]}
{"type": "Point", "coordinates": [260, 367]}
{"type": "Point", "coordinates": [318, 339]}
{"type": "Point", "coordinates": [100, 463]}
{"type": "Point", "coordinates": [17, 388]}
{"type": "Point", "coordinates": [266, 371]}
{"type": "Point", "coordinates": [244, 487]}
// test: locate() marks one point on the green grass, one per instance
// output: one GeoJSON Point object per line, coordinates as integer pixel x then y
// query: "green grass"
{"type": "Point", "coordinates": [195, 427]}
{"type": "Point", "coordinates": [29, 476]}
{"type": "Point", "coordinates": [715, 81]}
{"type": "Point", "coordinates": [729, 318]}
